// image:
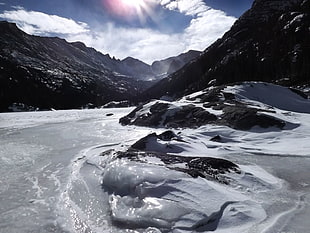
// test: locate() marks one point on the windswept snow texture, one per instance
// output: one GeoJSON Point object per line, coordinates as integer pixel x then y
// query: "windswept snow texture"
{"type": "Point", "coordinates": [272, 95]}
{"type": "Point", "coordinates": [62, 171]}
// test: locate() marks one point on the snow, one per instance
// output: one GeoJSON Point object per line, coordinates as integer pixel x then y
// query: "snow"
{"type": "Point", "coordinates": [272, 95]}
{"type": "Point", "coordinates": [297, 18]}
{"type": "Point", "coordinates": [60, 172]}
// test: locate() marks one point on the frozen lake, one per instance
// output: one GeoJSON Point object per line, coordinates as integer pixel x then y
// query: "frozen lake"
{"type": "Point", "coordinates": [53, 173]}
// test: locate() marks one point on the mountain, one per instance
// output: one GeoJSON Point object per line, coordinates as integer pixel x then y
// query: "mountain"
{"type": "Point", "coordinates": [270, 42]}
{"type": "Point", "coordinates": [51, 73]}
{"type": "Point", "coordinates": [48, 72]}
{"type": "Point", "coordinates": [158, 69]}
{"type": "Point", "coordinates": [172, 64]}
{"type": "Point", "coordinates": [136, 68]}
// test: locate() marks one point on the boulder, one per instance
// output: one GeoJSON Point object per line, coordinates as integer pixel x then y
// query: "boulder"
{"type": "Point", "coordinates": [158, 143]}
{"type": "Point", "coordinates": [244, 118]}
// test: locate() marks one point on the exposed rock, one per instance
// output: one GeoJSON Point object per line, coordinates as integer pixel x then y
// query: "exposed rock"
{"type": "Point", "coordinates": [118, 104]}
{"type": "Point", "coordinates": [189, 116]}
{"type": "Point", "coordinates": [128, 120]}
{"type": "Point", "coordinates": [206, 167]}
{"type": "Point", "coordinates": [300, 93]}
{"type": "Point", "coordinates": [168, 136]}
{"type": "Point", "coordinates": [167, 115]}
{"type": "Point", "coordinates": [20, 107]}
{"type": "Point", "coordinates": [158, 143]}
{"type": "Point", "coordinates": [142, 143]}
{"type": "Point", "coordinates": [244, 118]}
{"type": "Point", "coordinates": [152, 118]}
{"type": "Point", "coordinates": [216, 138]}
{"type": "Point", "coordinates": [232, 112]}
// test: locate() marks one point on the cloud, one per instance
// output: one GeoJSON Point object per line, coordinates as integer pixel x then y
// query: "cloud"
{"type": "Point", "coordinates": [206, 26]}
{"type": "Point", "coordinates": [146, 44]}
{"type": "Point", "coordinates": [193, 7]}
{"type": "Point", "coordinates": [39, 23]}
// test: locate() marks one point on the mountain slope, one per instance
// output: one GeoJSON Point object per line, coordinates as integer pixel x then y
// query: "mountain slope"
{"type": "Point", "coordinates": [52, 73]}
{"type": "Point", "coordinates": [44, 73]}
{"type": "Point", "coordinates": [172, 64]}
{"type": "Point", "coordinates": [270, 42]}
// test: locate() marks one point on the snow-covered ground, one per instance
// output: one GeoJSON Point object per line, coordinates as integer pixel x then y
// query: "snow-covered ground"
{"type": "Point", "coordinates": [59, 172]}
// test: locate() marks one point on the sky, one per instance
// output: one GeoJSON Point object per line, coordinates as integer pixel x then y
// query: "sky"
{"type": "Point", "coordinates": [148, 30]}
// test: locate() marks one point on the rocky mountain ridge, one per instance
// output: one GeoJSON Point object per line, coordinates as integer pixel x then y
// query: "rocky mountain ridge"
{"type": "Point", "coordinates": [158, 69]}
{"type": "Point", "coordinates": [270, 42]}
{"type": "Point", "coordinates": [49, 72]}
{"type": "Point", "coordinates": [172, 64]}
{"type": "Point", "coordinates": [52, 73]}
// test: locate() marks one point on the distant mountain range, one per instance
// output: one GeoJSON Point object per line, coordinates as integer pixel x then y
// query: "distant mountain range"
{"type": "Point", "coordinates": [45, 73]}
{"type": "Point", "coordinates": [270, 42]}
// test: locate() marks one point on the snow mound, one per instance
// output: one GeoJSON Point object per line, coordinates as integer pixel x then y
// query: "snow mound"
{"type": "Point", "coordinates": [148, 193]}
{"type": "Point", "coordinates": [273, 95]}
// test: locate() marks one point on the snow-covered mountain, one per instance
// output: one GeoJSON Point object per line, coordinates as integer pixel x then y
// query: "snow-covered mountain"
{"type": "Point", "coordinates": [270, 42]}
{"type": "Point", "coordinates": [45, 73]}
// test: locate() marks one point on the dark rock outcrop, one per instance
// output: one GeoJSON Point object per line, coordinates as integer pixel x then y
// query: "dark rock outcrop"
{"type": "Point", "coordinates": [158, 143]}
{"type": "Point", "coordinates": [216, 138]}
{"type": "Point", "coordinates": [205, 167]}
{"type": "Point", "coordinates": [167, 115]}
{"type": "Point", "coordinates": [244, 118]}
{"type": "Point", "coordinates": [234, 113]}
{"type": "Point", "coordinates": [153, 118]}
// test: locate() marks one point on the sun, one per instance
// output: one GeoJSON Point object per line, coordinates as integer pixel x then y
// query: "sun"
{"type": "Point", "coordinates": [134, 3]}
{"type": "Point", "coordinates": [130, 10]}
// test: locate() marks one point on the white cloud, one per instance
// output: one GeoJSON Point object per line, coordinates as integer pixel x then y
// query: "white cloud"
{"type": "Point", "coordinates": [2, 3]}
{"type": "Point", "coordinates": [206, 28]}
{"type": "Point", "coordinates": [34, 22]}
{"type": "Point", "coordinates": [192, 7]}
{"type": "Point", "coordinates": [146, 44]}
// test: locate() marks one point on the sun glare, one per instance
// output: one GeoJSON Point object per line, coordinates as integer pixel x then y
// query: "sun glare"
{"type": "Point", "coordinates": [133, 3]}
{"type": "Point", "coordinates": [131, 9]}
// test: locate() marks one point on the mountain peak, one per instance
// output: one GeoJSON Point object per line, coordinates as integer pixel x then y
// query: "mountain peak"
{"type": "Point", "coordinates": [7, 24]}
{"type": "Point", "coordinates": [8, 27]}
{"type": "Point", "coordinates": [132, 60]}
{"type": "Point", "coordinates": [269, 42]}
